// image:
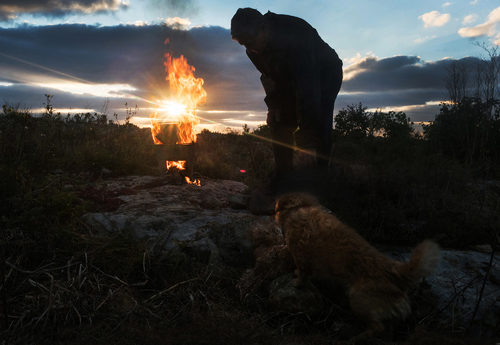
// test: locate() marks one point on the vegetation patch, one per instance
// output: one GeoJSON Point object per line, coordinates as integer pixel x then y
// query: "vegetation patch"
{"type": "Point", "coordinates": [61, 284]}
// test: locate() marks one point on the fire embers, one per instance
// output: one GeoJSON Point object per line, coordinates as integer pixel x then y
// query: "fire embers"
{"type": "Point", "coordinates": [177, 162]}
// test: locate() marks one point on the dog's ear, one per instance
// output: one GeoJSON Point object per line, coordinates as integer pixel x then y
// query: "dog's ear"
{"type": "Point", "coordinates": [285, 202]}
{"type": "Point", "coordinates": [281, 203]}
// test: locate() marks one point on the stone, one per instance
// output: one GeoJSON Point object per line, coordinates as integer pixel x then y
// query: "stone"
{"type": "Point", "coordinates": [205, 251]}
{"type": "Point", "coordinates": [233, 239]}
{"type": "Point", "coordinates": [105, 172]}
{"type": "Point", "coordinates": [238, 201]}
{"type": "Point", "coordinates": [495, 274]}
{"type": "Point", "coordinates": [483, 248]}
{"type": "Point", "coordinates": [273, 262]}
{"type": "Point", "coordinates": [455, 288]}
{"type": "Point", "coordinates": [261, 204]}
{"type": "Point", "coordinates": [286, 298]}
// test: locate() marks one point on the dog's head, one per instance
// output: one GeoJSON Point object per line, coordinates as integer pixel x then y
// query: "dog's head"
{"type": "Point", "coordinates": [290, 202]}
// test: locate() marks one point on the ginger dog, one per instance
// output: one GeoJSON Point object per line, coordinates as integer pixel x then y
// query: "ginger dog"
{"type": "Point", "coordinates": [375, 284]}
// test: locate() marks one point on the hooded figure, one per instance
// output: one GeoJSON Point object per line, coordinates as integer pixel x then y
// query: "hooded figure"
{"type": "Point", "coordinates": [301, 75]}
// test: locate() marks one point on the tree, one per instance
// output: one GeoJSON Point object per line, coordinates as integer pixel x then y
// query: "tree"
{"type": "Point", "coordinates": [356, 122]}
{"type": "Point", "coordinates": [468, 130]}
{"type": "Point", "coordinates": [457, 80]}
{"type": "Point", "coordinates": [468, 124]}
{"type": "Point", "coordinates": [353, 121]}
{"type": "Point", "coordinates": [395, 125]}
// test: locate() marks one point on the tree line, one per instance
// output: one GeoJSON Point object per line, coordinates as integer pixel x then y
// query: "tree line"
{"type": "Point", "coordinates": [467, 127]}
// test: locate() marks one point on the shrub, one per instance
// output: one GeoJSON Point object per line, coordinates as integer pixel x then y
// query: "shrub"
{"type": "Point", "coordinates": [356, 122]}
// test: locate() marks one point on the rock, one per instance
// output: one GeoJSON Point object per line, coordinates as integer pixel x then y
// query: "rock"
{"type": "Point", "coordinates": [272, 257]}
{"type": "Point", "coordinates": [105, 172]}
{"type": "Point", "coordinates": [266, 233]}
{"type": "Point", "coordinates": [156, 209]}
{"type": "Point", "coordinates": [286, 298]}
{"type": "Point", "coordinates": [233, 238]}
{"type": "Point", "coordinates": [261, 204]}
{"type": "Point", "coordinates": [238, 201]}
{"type": "Point", "coordinates": [210, 202]}
{"type": "Point", "coordinates": [455, 288]}
{"type": "Point", "coordinates": [273, 262]}
{"type": "Point", "coordinates": [205, 251]}
{"type": "Point", "coordinates": [495, 274]}
{"type": "Point", "coordinates": [483, 248]}
{"type": "Point", "coordinates": [105, 222]}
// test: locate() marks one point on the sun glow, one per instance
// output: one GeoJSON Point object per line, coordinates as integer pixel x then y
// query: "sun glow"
{"type": "Point", "coordinates": [188, 93]}
{"type": "Point", "coordinates": [172, 109]}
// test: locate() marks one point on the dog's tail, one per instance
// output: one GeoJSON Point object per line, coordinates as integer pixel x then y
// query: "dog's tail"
{"type": "Point", "coordinates": [423, 261]}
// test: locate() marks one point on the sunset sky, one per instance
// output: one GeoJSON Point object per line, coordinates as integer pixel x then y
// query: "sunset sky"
{"type": "Point", "coordinates": [85, 52]}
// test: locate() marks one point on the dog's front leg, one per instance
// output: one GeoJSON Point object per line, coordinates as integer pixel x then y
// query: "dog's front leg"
{"type": "Point", "coordinates": [302, 272]}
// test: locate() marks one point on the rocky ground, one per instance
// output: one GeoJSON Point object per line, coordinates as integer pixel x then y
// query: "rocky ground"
{"type": "Point", "coordinates": [210, 223]}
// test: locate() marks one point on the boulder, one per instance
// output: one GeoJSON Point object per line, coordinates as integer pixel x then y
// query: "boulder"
{"type": "Point", "coordinates": [286, 298]}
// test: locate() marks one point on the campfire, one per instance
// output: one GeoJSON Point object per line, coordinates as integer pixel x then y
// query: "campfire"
{"type": "Point", "coordinates": [173, 124]}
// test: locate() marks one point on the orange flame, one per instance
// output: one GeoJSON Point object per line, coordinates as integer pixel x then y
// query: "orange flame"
{"type": "Point", "coordinates": [196, 182]}
{"type": "Point", "coordinates": [188, 93]}
{"type": "Point", "coordinates": [176, 164]}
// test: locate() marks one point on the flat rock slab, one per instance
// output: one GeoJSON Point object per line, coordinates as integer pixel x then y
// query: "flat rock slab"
{"type": "Point", "coordinates": [456, 287]}
{"type": "Point", "coordinates": [150, 209]}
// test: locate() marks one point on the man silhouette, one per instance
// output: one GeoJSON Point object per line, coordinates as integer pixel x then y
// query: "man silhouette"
{"type": "Point", "coordinates": [301, 76]}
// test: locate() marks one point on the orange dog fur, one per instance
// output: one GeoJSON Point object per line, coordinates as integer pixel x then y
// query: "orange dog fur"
{"type": "Point", "coordinates": [375, 284]}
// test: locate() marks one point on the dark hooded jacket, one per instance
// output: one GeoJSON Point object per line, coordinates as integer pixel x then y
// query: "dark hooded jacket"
{"type": "Point", "coordinates": [294, 67]}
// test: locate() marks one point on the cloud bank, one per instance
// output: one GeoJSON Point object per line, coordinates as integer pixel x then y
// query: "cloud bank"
{"type": "Point", "coordinates": [127, 61]}
{"type": "Point", "coordinates": [11, 9]}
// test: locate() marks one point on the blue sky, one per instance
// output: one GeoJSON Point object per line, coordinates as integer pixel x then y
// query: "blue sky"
{"type": "Point", "coordinates": [85, 52]}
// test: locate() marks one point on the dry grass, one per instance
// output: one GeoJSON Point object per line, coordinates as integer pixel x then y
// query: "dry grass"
{"type": "Point", "coordinates": [62, 284]}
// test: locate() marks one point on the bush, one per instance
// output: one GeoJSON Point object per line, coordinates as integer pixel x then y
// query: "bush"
{"type": "Point", "coordinates": [468, 130]}
{"type": "Point", "coordinates": [236, 156]}
{"type": "Point", "coordinates": [356, 122]}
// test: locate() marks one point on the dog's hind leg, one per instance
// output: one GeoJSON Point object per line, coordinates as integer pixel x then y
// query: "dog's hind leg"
{"type": "Point", "coordinates": [362, 306]}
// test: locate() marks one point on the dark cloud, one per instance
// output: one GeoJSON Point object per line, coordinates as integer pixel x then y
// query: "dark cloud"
{"type": "Point", "coordinates": [396, 74]}
{"type": "Point", "coordinates": [134, 55]}
{"type": "Point", "coordinates": [10, 9]}
{"type": "Point", "coordinates": [399, 81]}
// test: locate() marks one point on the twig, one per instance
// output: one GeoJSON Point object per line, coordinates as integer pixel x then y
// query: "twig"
{"type": "Point", "coordinates": [38, 270]}
{"type": "Point", "coordinates": [39, 190]}
{"type": "Point", "coordinates": [110, 276]}
{"type": "Point", "coordinates": [468, 285]}
{"type": "Point", "coordinates": [170, 288]}
{"type": "Point", "coordinates": [493, 250]}
{"type": "Point", "coordinates": [4, 292]}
